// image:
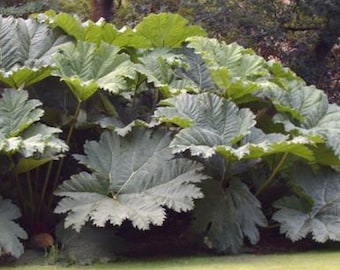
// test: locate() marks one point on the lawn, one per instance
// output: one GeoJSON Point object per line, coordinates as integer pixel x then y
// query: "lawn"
{"type": "Point", "coordinates": [296, 261]}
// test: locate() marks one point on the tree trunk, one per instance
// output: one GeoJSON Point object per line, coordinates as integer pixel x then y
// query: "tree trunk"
{"type": "Point", "coordinates": [102, 9]}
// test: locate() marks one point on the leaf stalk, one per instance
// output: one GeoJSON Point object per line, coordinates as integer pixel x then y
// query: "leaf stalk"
{"type": "Point", "coordinates": [271, 178]}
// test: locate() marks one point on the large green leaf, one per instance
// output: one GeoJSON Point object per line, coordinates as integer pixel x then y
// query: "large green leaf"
{"type": "Point", "coordinates": [226, 215]}
{"type": "Point", "coordinates": [235, 70]}
{"type": "Point", "coordinates": [26, 51]}
{"type": "Point", "coordinates": [10, 232]}
{"type": "Point", "coordinates": [266, 145]}
{"type": "Point", "coordinates": [133, 178]}
{"type": "Point", "coordinates": [17, 112]}
{"type": "Point", "coordinates": [219, 117]}
{"type": "Point", "coordinates": [19, 130]}
{"type": "Point", "coordinates": [197, 70]}
{"type": "Point", "coordinates": [86, 68]}
{"type": "Point", "coordinates": [215, 125]}
{"type": "Point", "coordinates": [161, 67]}
{"type": "Point", "coordinates": [165, 30]}
{"type": "Point", "coordinates": [305, 110]}
{"type": "Point", "coordinates": [73, 26]}
{"type": "Point", "coordinates": [297, 219]}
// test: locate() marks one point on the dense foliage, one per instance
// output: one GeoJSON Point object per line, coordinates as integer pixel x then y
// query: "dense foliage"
{"type": "Point", "coordinates": [301, 34]}
{"type": "Point", "coordinates": [159, 117]}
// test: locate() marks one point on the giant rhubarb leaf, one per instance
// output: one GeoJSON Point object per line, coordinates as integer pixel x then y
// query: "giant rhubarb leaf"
{"type": "Point", "coordinates": [85, 68]}
{"type": "Point", "coordinates": [133, 178]}
{"type": "Point", "coordinates": [216, 125]}
{"type": "Point", "coordinates": [297, 218]}
{"type": "Point", "coordinates": [72, 25]}
{"type": "Point", "coordinates": [165, 30]}
{"type": "Point", "coordinates": [26, 50]}
{"type": "Point", "coordinates": [305, 110]}
{"type": "Point", "coordinates": [161, 68]}
{"type": "Point", "coordinates": [19, 130]}
{"type": "Point", "coordinates": [226, 215]}
{"type": "Point", "coordinates": [235, 70]}
{"type": "Point", "coordinates": [10, 232]}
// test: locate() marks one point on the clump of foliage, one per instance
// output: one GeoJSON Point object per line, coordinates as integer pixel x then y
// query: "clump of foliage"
{"type": "Point", "coordinates": [170, 119]}
{"type": "Point", "coordinates": [301, 34]}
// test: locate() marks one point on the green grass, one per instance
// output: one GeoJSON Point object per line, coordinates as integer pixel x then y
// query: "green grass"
{"type": "Point", "coordinates": [298, 261]}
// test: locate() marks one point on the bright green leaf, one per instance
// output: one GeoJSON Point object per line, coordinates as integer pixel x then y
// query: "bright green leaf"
{"type": "Point", "coordinates": [86, 68]}
{"type": "Point", "coordinates": [165, 30]}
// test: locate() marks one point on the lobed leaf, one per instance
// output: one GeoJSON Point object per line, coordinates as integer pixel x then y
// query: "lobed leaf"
{"type": "Point", "coordinates": [165, 30]}
{"type": "Point", "coordinates": [226, 216]}
{"type": "Point", "coordinates": [297, 219]}
{"type": "Point", "coordinates": [86, 68]}
{"type": "Point", "coordinates": [17, 112]}
{"type": "Point", "coordinates": [95, 32]}
{"type": "Point", "coordinates": [19, 130]}
{"type": "Point", "coordinates": [305, 110]}
{"type": "Point", "coordinates": [160, 67]}
{"type": "Point", "coordinates": [133, 178]}
{"type": "Point", "coordinates": [26, 51]}
{"type": "Point", "coordinates": [235, 70]}
{"type": "Point", "coordinates": [10, 232]}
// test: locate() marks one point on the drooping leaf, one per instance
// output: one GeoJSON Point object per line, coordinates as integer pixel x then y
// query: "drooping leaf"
{"type": "Point", "coordinates": [297, 219]}
{"type": "Point", "coordinates": [133, 178]}
{"type": "Point", "coordinates": [226, 216]}
{"type": "Point", "coordinates": [10, 232]}
{"type": "Point", "coordinates": [26, 51]}
{"type": "Point", "coordinates": [86, 68]}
